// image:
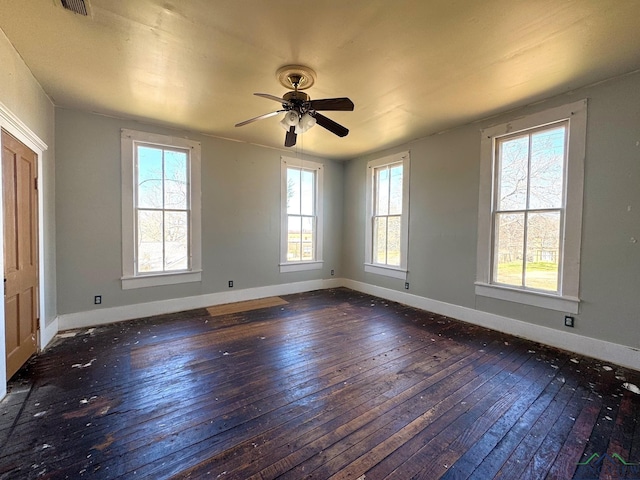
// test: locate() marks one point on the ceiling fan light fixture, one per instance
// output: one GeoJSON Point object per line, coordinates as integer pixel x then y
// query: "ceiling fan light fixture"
{"type": "Point", "coordinates": [306, 122]}
{"type": "Point", "coordinates": [290, 119]}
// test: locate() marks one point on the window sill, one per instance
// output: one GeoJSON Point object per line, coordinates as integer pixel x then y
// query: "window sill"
{"type": "Point", "coordinates": [154, 280]}
{"type": "Point", "coordinates": [536, 299]}
{"type": "Point", "coordinates": [393, 272]}
{"type": "Point", "coordinates": [300, 266]}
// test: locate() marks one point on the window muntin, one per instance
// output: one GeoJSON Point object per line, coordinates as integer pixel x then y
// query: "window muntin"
{"type": "Point", "coordinates": [529, 208]}
{"type": "Point", "coordinates": [162, 209]}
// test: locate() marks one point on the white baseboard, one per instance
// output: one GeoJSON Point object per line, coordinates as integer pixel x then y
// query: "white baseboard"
{"type": "Point", "coordinates": [587, 346]}
{"type": "Point", "coordinates": [48, 332]}
{"type": "Point", "coordinates": [103, 316]}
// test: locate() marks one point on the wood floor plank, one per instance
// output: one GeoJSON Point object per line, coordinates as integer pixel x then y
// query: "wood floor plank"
{"type": "Point", "coordinates": [574, 444]}
{"type": "Point", "coordinates": [333, 384]}
{"type": "Point", "coordinates": [393, 384]}
{"type": "Point", "coordinates": [543, 458]}
{"type": "Point", "coordinates": [379, 447]}
{"type": "Point", "coordinates": [474, 423]}
{"type": "Point", "coordinates": [403, 420]}
{"type": "Point", "coordinates": [529, 440]}
{"type": "Point", "coordinates": [246, 306]}
{"type": "Point", "coordinates": [311, 439]}
{"type": "Point", "coordinates": [434, 448]}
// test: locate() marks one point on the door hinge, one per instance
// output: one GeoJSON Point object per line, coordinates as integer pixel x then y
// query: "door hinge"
{"type": "Point", "coordinates": [35, 183]}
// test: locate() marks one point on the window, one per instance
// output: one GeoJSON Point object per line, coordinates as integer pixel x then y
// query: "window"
{"type": "Point", "coordinates": [387, 216]}
{"type": "Point", "coordinates": [160, 210]}
{"type": "Point", "coordinates": [530, 215]}
{"type": "Point", "coordinates": [301, 215]}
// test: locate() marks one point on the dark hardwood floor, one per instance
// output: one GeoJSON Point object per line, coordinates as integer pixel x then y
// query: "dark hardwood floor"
{"type": "Point", "coordinates": [332, 385]}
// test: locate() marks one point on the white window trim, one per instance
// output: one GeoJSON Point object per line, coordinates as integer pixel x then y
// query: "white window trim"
{"type": "Point", "coordinates": [568, 299]}
{"type": "Point", "coordinates": [387, 270]}
{"type": "Point", "coordinates": [317, 263]}
{"type": "Point", "coordinates": [129, 279]}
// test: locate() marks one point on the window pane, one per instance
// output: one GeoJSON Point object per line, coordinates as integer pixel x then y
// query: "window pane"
{"type": "Point", "coordinates": [293, 191]}
{"type": "Point", "coordinates": [307, 181]}
{"type": "Point", "coordinates": [150, 248]}
{"type": "Point", "coordinates": [380, 240]}
{"type": "Point", "coordinates": [543, 242]}
{"type": "Point", "coordinates": [175, 178]}
{"type": "Point", "coordinates": [395, 193]}
{"type": "Point", "coordinates": [512, 178]}
{"type": "Point", "coordinates": [176, 241]}
{"type": "Point", "coordinates": [307, 238]}
{"type": "Point", "coordinates": [509, 248]}
{"type": "Point", "coordinates": [382, 191]}
{"type": "Point", "coordinates": [149, 182]}
{"type": "Point", "coordinates": [547, 168]}
{"type": "Point", "coordinates": [393, 241]}
{"type": "Point", "coordinates": [294, 235]}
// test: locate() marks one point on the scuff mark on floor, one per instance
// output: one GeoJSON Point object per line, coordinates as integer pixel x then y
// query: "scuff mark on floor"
{"type": "Point", "coordinates": [94, 406]}
{"type": "Point", "coordinates": [67, 335]}
{"type": "Point", "coordinates": [85, 365]}
{"type": "Point", "coordinates": [107, 442]}
{"type": "Point", "coordinates": [631, 387]}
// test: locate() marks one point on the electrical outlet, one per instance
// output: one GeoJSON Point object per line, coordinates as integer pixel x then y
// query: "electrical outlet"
{"type": "Point", "coordinates": [230, 283]}
{"type": "Point", "coordinates": [97, 300]}
{"type": "Point", "coordinates": [406, 285]}
{"type": "Point", "coordinates": [568, 321]}
{"type": "Point", "coordinates": [333, 272]}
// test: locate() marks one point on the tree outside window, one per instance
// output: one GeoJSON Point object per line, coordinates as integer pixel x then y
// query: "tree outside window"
{"type": "Point", "coordinates": [529, 208]}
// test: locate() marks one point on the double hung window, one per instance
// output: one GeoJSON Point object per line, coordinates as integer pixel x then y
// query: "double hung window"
{"type": "Point", "coordinates": [531, 209]}
{"type": "Point", "coordinates": [161, 209]}
{"type": "Point", "coordinates": [387, 216]}
{"type": "Point", "coordinates": [301, 194]}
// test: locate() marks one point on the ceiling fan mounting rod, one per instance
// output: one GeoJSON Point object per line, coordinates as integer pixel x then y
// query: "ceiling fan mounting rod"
{"type": "Point", "coordinates": [295, 80]}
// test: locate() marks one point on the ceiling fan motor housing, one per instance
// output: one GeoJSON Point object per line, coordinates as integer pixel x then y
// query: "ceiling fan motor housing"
{"type": "Point", "coordinates": [302, 113]}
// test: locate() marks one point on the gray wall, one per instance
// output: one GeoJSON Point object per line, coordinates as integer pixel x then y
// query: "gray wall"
{"type": "Point", "coordinates": [240, 215]}
{"type": "Point", "coordinates": [444, 209]}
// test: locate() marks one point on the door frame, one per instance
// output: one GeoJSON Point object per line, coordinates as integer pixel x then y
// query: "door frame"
{"type": "Point", "coordinates": [13, 125]}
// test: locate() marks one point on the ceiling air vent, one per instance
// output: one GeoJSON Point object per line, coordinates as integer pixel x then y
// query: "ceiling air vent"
{"type": "Point", "coordinates": [76, 6]}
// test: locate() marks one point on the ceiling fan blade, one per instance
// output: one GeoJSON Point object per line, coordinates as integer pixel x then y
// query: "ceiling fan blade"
{"type": "Point", "coordinates": [335, 104]}
{"type": "Point", "coordinates": [260, 117]}
{"type": "Point", "coordinates": [273, 97]}
{"type": "Point", "coordinates": [290, 139]}
{"type": "Point", "coordinates": [330, 125]}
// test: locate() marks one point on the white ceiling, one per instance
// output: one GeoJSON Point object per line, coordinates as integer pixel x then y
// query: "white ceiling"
{"type": "Point", "coordinates": [412, 68]}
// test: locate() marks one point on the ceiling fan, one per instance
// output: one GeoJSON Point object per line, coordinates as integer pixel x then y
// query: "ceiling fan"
{"type": "Point", "coordinates": [302, 112]}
